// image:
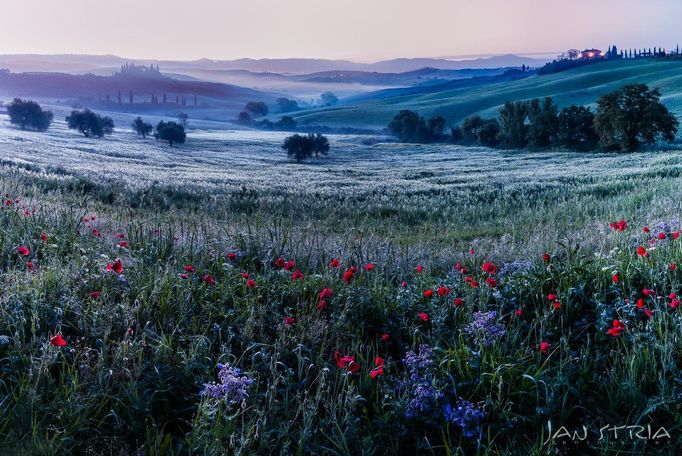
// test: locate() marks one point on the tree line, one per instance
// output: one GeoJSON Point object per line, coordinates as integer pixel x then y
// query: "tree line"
{"type": "Point", "coordinates": [625, 120]}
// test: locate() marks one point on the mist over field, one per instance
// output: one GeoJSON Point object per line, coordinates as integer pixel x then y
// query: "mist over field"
{"type": "Point", "coordinates": [340, 229]}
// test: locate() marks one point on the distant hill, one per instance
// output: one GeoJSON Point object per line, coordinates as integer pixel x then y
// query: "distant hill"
{"type": "Point", "coordinates": [457, 100]}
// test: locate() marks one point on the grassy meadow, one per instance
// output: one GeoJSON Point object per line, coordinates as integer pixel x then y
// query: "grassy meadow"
{"type": "Point", "coordinates": [216, 298]}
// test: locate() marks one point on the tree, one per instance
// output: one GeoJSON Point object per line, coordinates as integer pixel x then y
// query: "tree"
{"type": "Point", "coordinates": [244, 118]}
{"type": "Point", "coordinates": [172, 132]}
{"type": "Point", "coordinates": [28, 115]}
{"type": "Point", "coordinates": [437, 126]}
{"type": "Point", "coordinates": [576, 128]}
{"type": "Point", "coordinates": [631, 116]}
{"type": "Point", "coordinates": [543, 123]}
{"type": "Point", "coordinates": [287, 105]}
{"type": "Point", "coordinates": [407, 126]}
{"type": "Point", "coordinates": [513, 124]}
{"type": "Point", "coordinates": [478, 131]}
{"type": "Point", "coordinates": [488, 134]}
{"type": "Point", "coordinates": [256, 108]}
{"type": "Point", "coordinates": [287, 123]}
{"type": "Point", "coordinates": [328, 99]}
{"type": "Point", "coordinates": [572, 54]}
{"type": "Point", "coordinates": [183, 118]}
{"type": "Point", "coordinates": [302, 147]}
{"type": "Point", "coordinates": [141, 127]}
{"type": "Point", "coordinates": [470, 127]}
{"type": "Point", "coordinates": [90, 123]}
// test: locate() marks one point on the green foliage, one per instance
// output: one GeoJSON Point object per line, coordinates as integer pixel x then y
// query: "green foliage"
{"type": "Point", "coordinates": [302, 147]}
{"type": "Point", "coordinates": [90, 123]}
{"type": "Point", "coordinates": [28, 115]}
{"type": "Point", "coordinates": [576, 128]}
{"type": "Point", "coordinates": [172, 132]}
{"type": "Point", "coordinates": [543, 123]}
{"type": "Point", "coordinates": [513, 127]}
{"type": "Point", "coordinates": [408, 126]}
{"type": "Point", "coordinates": [140, 127]}
{"type": "Point", "coordinates": [632, 116]}
{"type": "Point", "coordinates": [256, 108]}
{"type": "Point", "coordinates": [287, 105]}
{"type": "Point", "coordinates": [328, 99]}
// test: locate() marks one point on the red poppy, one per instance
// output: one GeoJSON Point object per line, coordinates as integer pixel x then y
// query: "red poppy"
{"type": "Point", "coordinates": [326, 293]}
{"type": "Point", "coordinates": [43, 237]}
{"type": "Point", "coordinates": [385, 337]}
{"type": "Point", "coordinates": [189, 268]}
{"type": "Point", "coordinates": [428, 293]}
{"type": "Point", "coordinates": [472, 251]}
{"type": "Point", "coordinates": [648, 292]}
{"type": "Point", "coordinates": [231, 256]}
{"type": "Point", "coordinates": [184, 276]}
{"type": "Point", "coordinates": [672, 266]}
{"type": "Point", "coordinates": [280, 263]}
{"type": "Point", "coordinates": [245, 275]}
{"type": "Point", "coordinates": [468, 279]}
{"type": "Point", "coordinates": [676, 234]}
{"type": "Point", "coordinates": [120, 235]}
{"type": "Point", "coordinates": [646, 229]}
{"type": "Point", "coordinates": [423, 316]}
{"type": "Point", "coordinates": [616, 329]}
{"type": "Point", "coordinates": [251, 283]}
{"type": "Point", "coordinates": [116, 266]}
{"type": "Point", "coordinates": [369, 267]}
{"type": "Point", "coordinates": [297, 275]}
{"type": "Point", "coordinates": [289, 320]}
{"type": "Point", "coordinates": [661, 236]}
{"type": "Point", "coordinates": [289, 265]}
{"type": "Point", "coordinates": [346, 362]}
{"type": "Point", "coordinates": [551, 297]}
{"type": "Point", "coordinates": [519, 312]}
{"type": "Point", "coordinates": [22, 250]}
{"type": "Point", "coordinates": [403, 284]}
{"type": "Point", "coordinates": [379, 369]}
{"type": "Point", "coordinates": [620, 225]}
{"type": "Point", "coordinates": [348, 276]}
{"type": "Point", "coordinates": [30, 266]}
{"type": "Point", "coordinates": [648, 313]}
{"type": "Point", "coordinates": [459, 267]}
{"type": "Point", "coordinates": [95, 294]}
{"type": "Point", "coordinates": [491, 282]}
{"type": "Point", "coordinates": [335, 263]}
{"type": "Point", "coordinates": [641, 251]}
{"type": "Point", "coordinates": [443, 291]}
{"type": "Point", "coordinates": [322, 305]}
{"type": "Point", "coordinates": [544, 347]}
{"type": "Point", "coordinates": [57, 341]}
{"type": "Point", "coordinates": [640, 303]}
{"type": "Point", "coordinates": [419, 268]}
{"type": "Point", "coordinates": [674, 304]}
{"type": "Point", "coordinates": [546, 257]}
{"type": "Point", "coordinates": [615, 278]}
{"type": "Point", "coordinates": [96, 233]}
{"type": "Point", "coordinates": [123, 244]}
{"type": "Point", "coordinates": [557, 304]}
{"type": "Point", "coordinates": [489, 268]}
{"type": "Point", "coordinates": [474, 284]}
{"type": "Point", "coordinates": [208, 278]}
{"type": "Point", "coordinates": [458, 302]}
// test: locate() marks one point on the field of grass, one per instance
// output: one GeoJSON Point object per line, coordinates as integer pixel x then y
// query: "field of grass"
{"type": "Point", "coordinates": [581, 86]}
{"type": "Point", "coordinates": [331, 286]}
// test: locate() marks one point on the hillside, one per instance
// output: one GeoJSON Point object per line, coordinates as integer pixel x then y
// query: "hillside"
{"type": "Point", "coordinates": [455, 101]}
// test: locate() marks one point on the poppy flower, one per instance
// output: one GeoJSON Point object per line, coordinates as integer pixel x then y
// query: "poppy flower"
{"type": "Point", "coordinates": [646, 229]}
{"type": "Point", "coordinates": [472, 251]}
{"type": "Point", "coordinates": [620, 225]}
{"type": "Point", "coordinates": [280, 263]}
{"type": "Point", "coordinates": [250, 283]}
{"type": "Point", "coordinates": [674, 304]}
{"type": "Point", "coordinates": [546, 257]}
{"type": "Point", "coordinates": [120, 236]}
{"type": "Point", "coordinates": [491, 282]}
{"type": "Point", "coordinates": [335, 263]}
{"type": "Point", "coordinates": [672, 266]}
{"type": "Point", "coordinates": [423, 316]}
{"type": "Point", "coordinates": [648, 313]}
{"type": "Point", "coordinates": [458, 267]}
{"type": "Point", "coordinates": [443, 291]}
{"type": "Point", "coordinates": [95, 294]}
{"type": "Point", "coordinates": [458, 302]}
{"type": "Point", "coordinates": [676, 234]}
{"type": "Point", "coordinates": [474, 284]}
{"type": "Point", "coordinates": [348, 276]}
{"type": "Point", "coordinates": [231, 256]}
{"type": "Point", "coordinates": [489, 268]}
{"type": "Point", "coordinates": [184, 276]}
{"type": "Point", "coordinates": [379, 369]}
{"type": "Point", "coordinates": [96, 233]}
{"type": "Point", "coordinates": [289, 320]}
{"type": "Point", "coordinates": [468, 279]}
{"type": "Point", "coordinates": [208, 278]}
{"type": "Point", "coordinates": [640, 303]}
{"type": "Point", "coordinates": [385, 337]}
{"type": "Point", "coordinates": [326, 293]}
{"type": "Point", "coordinates": [297, 275]}
{"type": "Point", "coordinates": [615, 278]}
{"type": "Point", "coordinates": [123, 244]}
{"type": "Point", "coordinates": [428, 293]}
{"type": "Point", "coordinates": [116, 266]}
{"type": "Point", "coordinates": [616, 329]}
{"type": "Point", "coordinates": [23, 250]}
{"type": "Point", "coordinates": [519, 312]}
{"type": "Point", "coordinates": [289, 265]}
{"type": "Point", "coordinates": [245, 275]}
{"type": "Point", "coordinates": [57, 341]}
{"type": "Point", "coordinates": [648, 292]}
{"type": "Point", "coordinates": [641, 251]}
{"type": "Point", "coordinates": [43, 236]}
{"type": "Point", "coordinates": [672, 295]}
{"type": "Point", "coordinates": [551, 297]}
{"type": "Point", "coordinates": [661, 236]}
{"type": "Point", "coordinates": [189, 268]}
{"type": "Point", "coordinates": [419, 268]}
{"type": "Point", "coordinates": [369, 267]}
{"type": "Point", "coordinates": [556, 304]}
{"type": "Point", "coordinates": [544, 347]}
{"type": "Point", "coordinates": [346, 362]}
{"type": "Point", "coordinates": [403, 284]}
{"type": "Point", "coordinates": [322, 305]}
{"type": "Point", "coordinates": [30, 266]}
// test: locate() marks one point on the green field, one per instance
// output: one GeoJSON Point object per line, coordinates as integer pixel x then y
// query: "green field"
{"type": "Point", "coordinates": [406, 356]}
{"type": "Point", "coordinates": [581, 86]}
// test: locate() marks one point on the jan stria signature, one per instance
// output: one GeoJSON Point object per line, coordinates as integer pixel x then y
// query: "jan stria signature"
{"type": "Point", "coordinates": [608, 432]}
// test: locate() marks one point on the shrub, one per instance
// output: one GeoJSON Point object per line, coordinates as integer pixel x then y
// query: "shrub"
{"type": "Point", "coordinates": [28, 115]}
{"type": "Point", "coordinates": [90, 123]}
{"type": "Point", "coordinates": [302, 147]}
{"type": "Point", "coordinates": [141, 127]}
{"type": "Point", "coordinates": [172, 132]}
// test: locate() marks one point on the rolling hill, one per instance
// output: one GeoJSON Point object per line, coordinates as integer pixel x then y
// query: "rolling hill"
{"type": "Point", "coordinates": [457, 100]}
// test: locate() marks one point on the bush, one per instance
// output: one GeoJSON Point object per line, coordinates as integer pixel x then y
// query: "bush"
{"type": "Point", "coordinates": [28, 115]}
{"type": "Point", "coordinates": [90, 123]}
{"type": "Point", "coordinates": [141, 127]}
{"type": "Point", "coordinates": [302, 147]}
{"type": "Point", "coordinates": [172, 132]}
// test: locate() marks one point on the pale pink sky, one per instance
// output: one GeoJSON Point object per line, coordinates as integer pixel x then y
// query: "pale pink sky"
{"type": "Point", "coordinates": [362, 30]}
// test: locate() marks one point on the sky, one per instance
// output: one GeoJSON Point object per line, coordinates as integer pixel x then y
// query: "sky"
{"type": "Point", "coordinates": [359, 30]}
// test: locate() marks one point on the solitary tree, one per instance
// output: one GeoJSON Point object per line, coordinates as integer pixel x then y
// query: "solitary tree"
{"type": "Point", "coordinates": [256, 108]}
{"type": "Point", "coordinates": [631, 116]}
{"type": "Point", "coordinates": [301, 147]}
{"type": "Point", "coordinates": [90, 123]}
{"type": "Point", "coordinates": [328, 99]}
{"type": "Point", "coordinates": [172, 132]}
{"type": "Point", "coordinates": [28, 115]}
{"type": "Point", "coordinates": [575, 128]}
{"type": "Point", "coordinates": [141, 127]}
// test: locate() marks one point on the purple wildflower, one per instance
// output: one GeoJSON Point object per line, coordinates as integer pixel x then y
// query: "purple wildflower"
{"type": "Point", "coordinates": [465, 415]}
{"type": "Point", "coordinates": [484, 328]}
{"type": "Point", "coordinates": [424, 394]}
{"type": "Point", "coordinates": [233, 387]}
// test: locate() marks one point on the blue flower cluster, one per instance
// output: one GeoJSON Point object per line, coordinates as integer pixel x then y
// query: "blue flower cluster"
{"type": "Point", "coordinates": [484, 328]}
{"type": "Point", "coordinates": [424, 394]}
{"type": "Point", "coordinates": [233, 387]}
{"type": "Point", "coordinates": [467, 416]}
